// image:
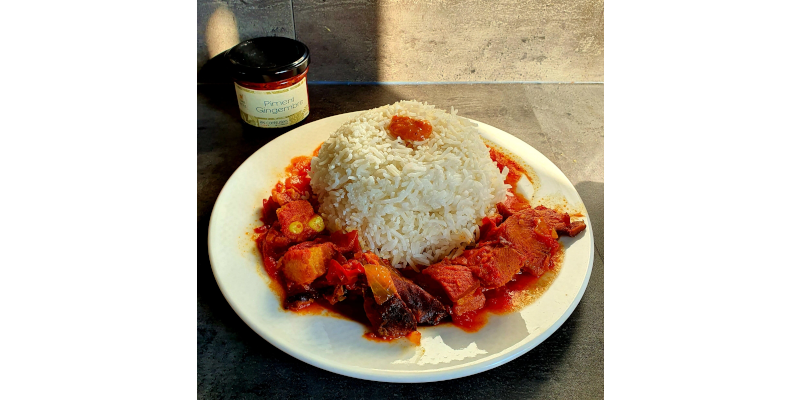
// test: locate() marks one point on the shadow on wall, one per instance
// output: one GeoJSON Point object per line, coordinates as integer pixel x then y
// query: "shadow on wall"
{"type": "Point", "coordinates": [341, 37]}
{"type": "Point", "coordinates": [222, 24]}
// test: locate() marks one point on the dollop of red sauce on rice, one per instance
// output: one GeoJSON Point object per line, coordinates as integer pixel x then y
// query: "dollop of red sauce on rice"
{"type": "Point", "coordinates": [409, 129]}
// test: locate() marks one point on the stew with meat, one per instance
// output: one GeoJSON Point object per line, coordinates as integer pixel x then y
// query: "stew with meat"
{"type": "Point", "coordinates": [315, 268]}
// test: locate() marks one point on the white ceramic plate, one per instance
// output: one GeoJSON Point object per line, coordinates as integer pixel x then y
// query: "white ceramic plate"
{"type": "Point", "coordinates": [338, 345]}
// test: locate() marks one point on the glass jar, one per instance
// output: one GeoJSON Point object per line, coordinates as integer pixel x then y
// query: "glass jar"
{"type": "Point", "coordinates": [269, 76]}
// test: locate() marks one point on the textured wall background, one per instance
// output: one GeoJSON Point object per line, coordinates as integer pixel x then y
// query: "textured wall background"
{"type": "Point", "coordinates": [421, 40]}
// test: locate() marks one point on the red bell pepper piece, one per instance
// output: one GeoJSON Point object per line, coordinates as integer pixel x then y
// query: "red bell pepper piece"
{"type": "Point", "coordinates": [346, 274]}
{"type": "Point", "coordinates": [346, 242]}
{"type": "Point", "coordinates": [269, 215]}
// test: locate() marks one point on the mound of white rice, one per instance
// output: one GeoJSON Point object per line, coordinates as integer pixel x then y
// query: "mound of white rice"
{"type": "Point", "coordinates": [411, 205]}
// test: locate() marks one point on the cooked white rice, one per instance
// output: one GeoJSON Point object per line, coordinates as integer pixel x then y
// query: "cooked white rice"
{"type": "Point", "coordinates": [410, 205]}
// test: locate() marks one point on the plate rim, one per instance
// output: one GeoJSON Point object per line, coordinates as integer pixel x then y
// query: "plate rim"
{"type": "Point", "coordinates": [398, 376]}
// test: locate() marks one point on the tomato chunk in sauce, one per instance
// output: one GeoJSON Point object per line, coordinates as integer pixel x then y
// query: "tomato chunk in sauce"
{"type": "Point", "coordinates": [409, 129]}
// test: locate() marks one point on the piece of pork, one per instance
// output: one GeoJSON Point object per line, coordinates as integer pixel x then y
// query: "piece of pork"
{"type": "Point", "coordinates": [454, 285]}
{"type": "Point", "coordinates": [425, 308]}
{"type": "Point", "coordinates": [449, 281]}
{"type": "Point", "coordinates": [471, 302]}
{"type": "Point", "coordinates": [512, 205]}
{"type": "Point", "coordinates": [299, 301]}
{"type": "Point", "coordinates": [527, 239]}
{"type": "Point", "coordinates": [559, 221]}
{"type": "Point", "coordinates": [493, 265]}
{"type": "Point", "coordinates": [537, 256]}
{"type": "Point", "coordinates": [389, 320]}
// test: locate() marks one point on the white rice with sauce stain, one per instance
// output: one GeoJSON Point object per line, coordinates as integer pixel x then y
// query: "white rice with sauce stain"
{"type": "Point", "coordinates": [411, 205]}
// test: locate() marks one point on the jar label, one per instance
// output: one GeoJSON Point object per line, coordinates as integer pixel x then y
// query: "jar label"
{"type": "Point", "coordinates": [273, 108]}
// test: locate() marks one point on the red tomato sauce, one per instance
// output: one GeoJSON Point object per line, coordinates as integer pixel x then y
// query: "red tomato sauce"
{"type": "Point", "coordinates": [515, 171]}
{"type": "Point", "coordinates": [502, 300]}
{"type": "Point", "coordinates": [409, 129]}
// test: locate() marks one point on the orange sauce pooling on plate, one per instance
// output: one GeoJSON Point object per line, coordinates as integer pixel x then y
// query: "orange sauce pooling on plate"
{"type": "Point", "coordinates": [502, 300]}
{"type": "Point", "coordinates": [414, 337]}
{"type": "Point", "coordinates": [409, 129]}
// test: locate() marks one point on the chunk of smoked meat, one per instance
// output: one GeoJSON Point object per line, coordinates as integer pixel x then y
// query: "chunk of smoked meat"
{"type": "Point", "coordinates": [299, 301]}
{"type": "Point", "coordinates": [494, 266]}
{"type": "Point", "coordinates": [334, 294]}
{"type": "Point", "coordinates": [511, 205]}
{"type": "Point", "coordinates": [389, 320]}
{"type": "Point", "coordinates": [518, 230]}
{"type": "Point", "coordinates": [471, 302]}
{"type": "Point", "coordinates": [574, 228]}
{"type": "Point", "coordinates": [559, 221]}
{"type": "Point", "coordinates": [454, 281]}
{"type": "Point", "coordinates": [489, 226]}
{"type": "Point", "coordinates": [426, 309]}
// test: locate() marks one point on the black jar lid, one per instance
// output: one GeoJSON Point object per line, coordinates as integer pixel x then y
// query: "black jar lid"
{"type": "Point", "coordinates": [267, 59]}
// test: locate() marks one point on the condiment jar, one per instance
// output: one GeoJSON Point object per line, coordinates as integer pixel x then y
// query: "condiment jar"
{"type": "Point", "coordinates": [269, 75]}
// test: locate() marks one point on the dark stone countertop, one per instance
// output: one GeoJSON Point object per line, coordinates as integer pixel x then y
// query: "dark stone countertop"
{"type": "Point", "coordinates": [563, 122]}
